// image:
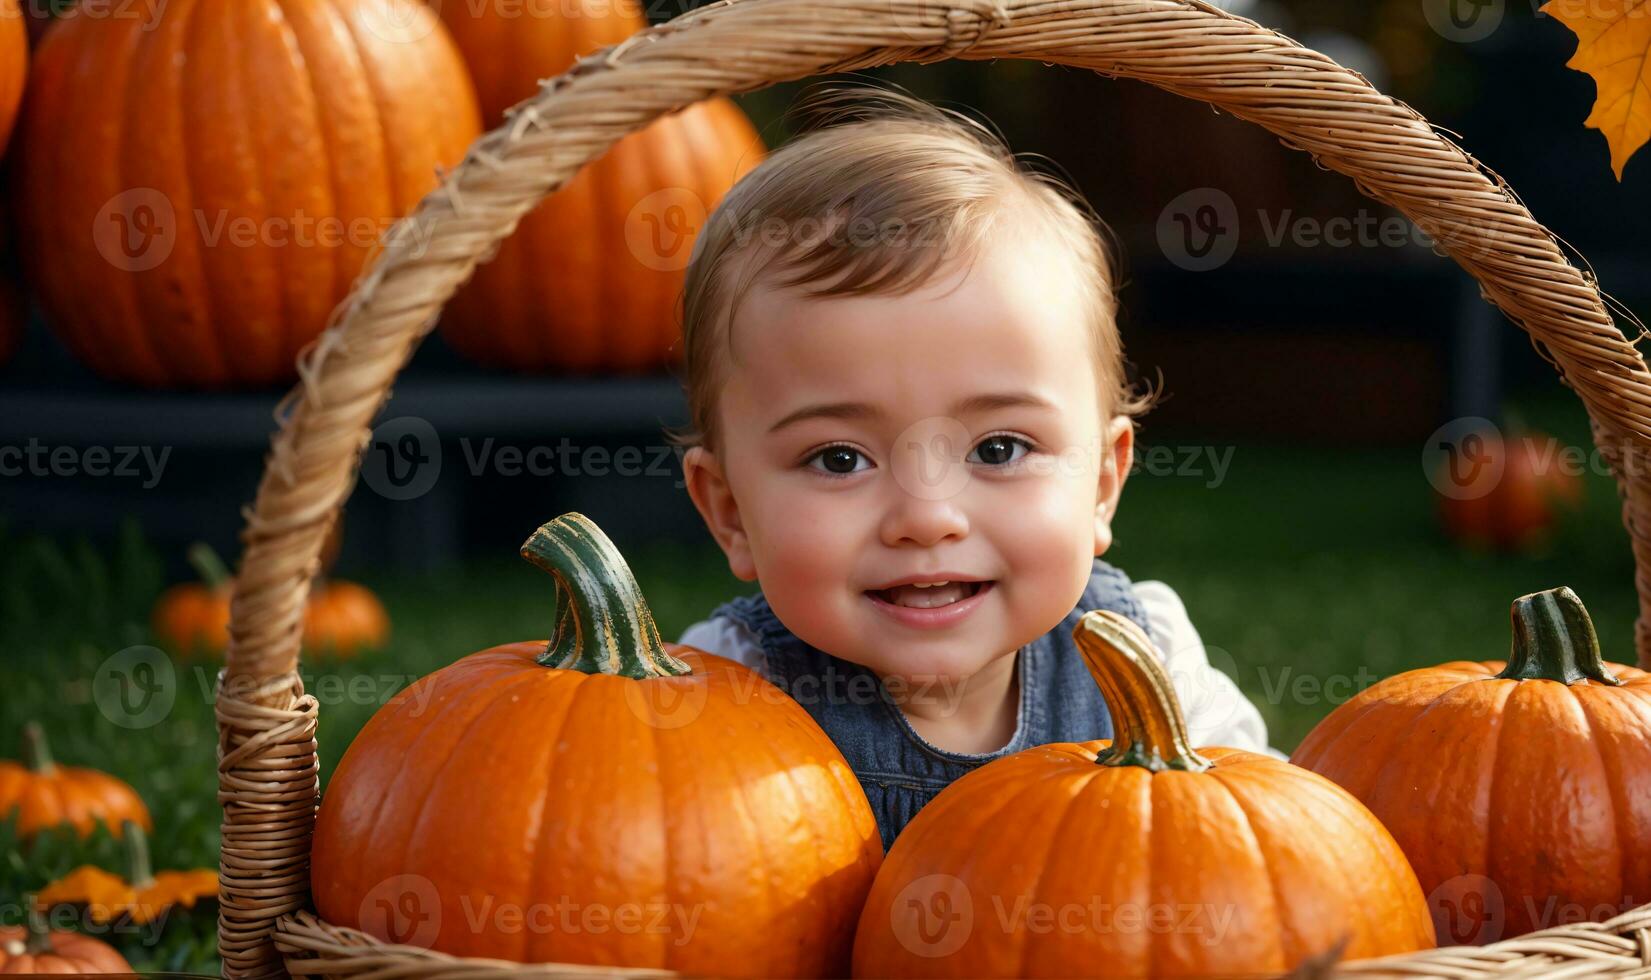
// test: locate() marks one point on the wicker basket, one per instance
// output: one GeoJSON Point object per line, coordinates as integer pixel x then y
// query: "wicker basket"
{"type": "Point", "coordinates": [267, 752]}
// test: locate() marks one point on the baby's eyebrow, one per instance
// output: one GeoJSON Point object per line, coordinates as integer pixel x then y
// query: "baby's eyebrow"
{"type": "Point", "coordinates": [984, 402]}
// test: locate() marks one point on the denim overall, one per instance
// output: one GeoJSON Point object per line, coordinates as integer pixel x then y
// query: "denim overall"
{"type": "Point", "coordinates": [899, 770]}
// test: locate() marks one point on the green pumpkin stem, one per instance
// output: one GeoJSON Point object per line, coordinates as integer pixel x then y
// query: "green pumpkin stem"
{"type": "Point", "coordinates": [39, 938]}
{"type": "Point", "coordinates": [37, 754]}
{"type": "Point", "coordinates": [1148, 728]}
{"type": "Point", "coordinates": [139, 872]}
{"type": "Point", "coordinates": [602, 622]}
{"type": "Point", "coordinates": [1554, 640]}
{"type": "Point", "coordinates": [208, 565]}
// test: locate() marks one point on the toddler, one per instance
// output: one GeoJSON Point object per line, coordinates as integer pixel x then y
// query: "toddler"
{"type": "Point", "coordinates": [910, 423]}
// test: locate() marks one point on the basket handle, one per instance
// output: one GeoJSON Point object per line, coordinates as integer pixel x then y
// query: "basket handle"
{"type": "Point", "coordinates": [267, 768]}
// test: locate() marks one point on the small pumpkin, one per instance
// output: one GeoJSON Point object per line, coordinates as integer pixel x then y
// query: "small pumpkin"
{"type": "Point", "coordinates": [343, 619]}
{"type": "Point", "coordinates": [33, 948]}
{"type": "Point", "coordinates": [1138, 856]}
{"type": "Point", "coordinates": [1519, 789]}
{"type": "Point", "coordinates": [589, 280]}
{"type": "Point", "coordinates": [43, 794]}
{"type": "Point", "coordinates": [691, 805]}
{"type": "Point", "coordinates": [200, 232]}
{"type": "Point", "coordinates": [1505, 495]}
{"type": "Point", "coordinates": [192, 618]}
{"type": "Point", "coordinates": [142, 895]}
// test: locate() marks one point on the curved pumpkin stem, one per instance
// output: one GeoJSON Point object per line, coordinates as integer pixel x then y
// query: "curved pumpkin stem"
{"type": "Point", "coordinates": [1148, 728]}
{"type": "Point", "coordinates": [1554, 640]}
{"type": "Point", "coordinates": [37, 755]}
{"type": "Point", "coordinates": [208, 565]}
{"type": "Point", "coordinates": [603, 625]}
{"type": "Point", "coordinates": [139, 872]}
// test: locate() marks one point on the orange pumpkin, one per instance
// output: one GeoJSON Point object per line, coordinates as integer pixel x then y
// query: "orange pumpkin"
{"type": "Point", "coordinates": [1520, 790]}
{"type": "Point", "coordinates": [14, 65]}
{"type": "Point", "coordinates": [589, 280]}
{"type": "Point", "coordinates": [604, 798]}
{"type": "Point", "coordinates": [343, 619]}
{"type": "Point", "coordinates": [1495, 494]}
{"type": "Point", "coordinates": [192, 618]}
{"type": "Point", "coordinates": [201, 234]}
{"type": "Point", "coordinates": [43, 794]}
{"type": "Point", "coordinates": [34, 949]}
{"type": "Point", "coordinates": [1137, 856]}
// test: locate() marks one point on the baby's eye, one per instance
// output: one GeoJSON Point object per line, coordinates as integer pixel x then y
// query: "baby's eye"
{"type": "Point", "coordinates": [838, 460]}
{"type": "Point", "coordinates": [1000, 450]}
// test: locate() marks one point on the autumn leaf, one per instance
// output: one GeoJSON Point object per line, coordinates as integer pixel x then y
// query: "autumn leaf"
{"type": "Point", "coordinates": [1614, 46]}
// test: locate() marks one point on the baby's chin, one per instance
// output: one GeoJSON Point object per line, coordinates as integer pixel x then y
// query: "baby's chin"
{"type": "Point", "coordinates": [933, 662]}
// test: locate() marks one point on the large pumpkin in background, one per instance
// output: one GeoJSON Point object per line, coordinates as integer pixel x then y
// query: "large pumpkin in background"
{"type": "Point", "coordinates": [605, 798]}
{"type": "Point", "coordinates": [198, 187]}
{"type": "Point", "coordinates": [1520, 790]}
{"type": "Point", "coordinates": [1136, 857]}
{"type": "Point", "coordinates": [14, 65]}
{"type": "Point", "coordinates": [590, 279]}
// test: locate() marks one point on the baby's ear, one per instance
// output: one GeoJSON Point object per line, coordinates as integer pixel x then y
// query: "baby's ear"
{"type": "Point", "coordinates": [1117, 456]}
{"type": "Point", "coordinates": [714, 499]}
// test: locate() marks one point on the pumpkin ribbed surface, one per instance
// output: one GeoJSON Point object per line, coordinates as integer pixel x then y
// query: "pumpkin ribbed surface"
{"type": "Point", "coordinates": [589, 280]}
{"type": "Point", "coordinates": [1520, 803]}
{"type": "Point", "coordinates": [198, 189]}
{"type": "Point", "coordinates": [1136, 858]}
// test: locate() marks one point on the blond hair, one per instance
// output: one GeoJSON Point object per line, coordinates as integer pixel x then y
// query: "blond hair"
{"type": "Point", "coordinates": [875, 199]}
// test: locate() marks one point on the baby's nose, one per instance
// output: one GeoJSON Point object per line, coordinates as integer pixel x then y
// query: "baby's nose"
{"type": "Point", "coordinates": [912, 520]}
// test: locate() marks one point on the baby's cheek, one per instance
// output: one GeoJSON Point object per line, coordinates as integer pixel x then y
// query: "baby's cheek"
{"type": "Point", "coordinates": [807, 552]}
{"type": "Point", "coordinates": [1048, 554]}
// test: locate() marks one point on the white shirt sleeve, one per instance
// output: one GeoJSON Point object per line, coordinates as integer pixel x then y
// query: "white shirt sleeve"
{"type": "Point", "coordinates": [726, 637]}
{"type": "Point", "coordinates": [1218, 713]}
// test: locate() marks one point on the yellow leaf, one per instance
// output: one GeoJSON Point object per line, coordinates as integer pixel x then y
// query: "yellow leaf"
{"type": "Point", "coordinates": [1614, 46]}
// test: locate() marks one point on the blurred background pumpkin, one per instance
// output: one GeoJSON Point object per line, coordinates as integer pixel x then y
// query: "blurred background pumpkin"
{"type": "Point", "coordinates": [589, 281]}
{"type": "Point", "coordinates": [1507, 494]}
{"type": "Point", "coordinates": [39, 794]}
{"type": "Point", "coordinates": [199, 233]}
{"type": "Point", "coordinates": [33, 948]}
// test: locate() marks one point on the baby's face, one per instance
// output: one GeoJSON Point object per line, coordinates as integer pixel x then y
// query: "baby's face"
{"type": "Point", "coordinates": [951, 434]}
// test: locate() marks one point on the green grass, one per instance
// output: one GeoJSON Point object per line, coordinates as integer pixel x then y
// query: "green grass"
{"type": "Point", "coordinates": [1311, 570]}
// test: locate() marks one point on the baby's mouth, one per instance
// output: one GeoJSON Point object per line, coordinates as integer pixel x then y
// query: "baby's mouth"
{"type": "Point", "coordinates": [928, 597]}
